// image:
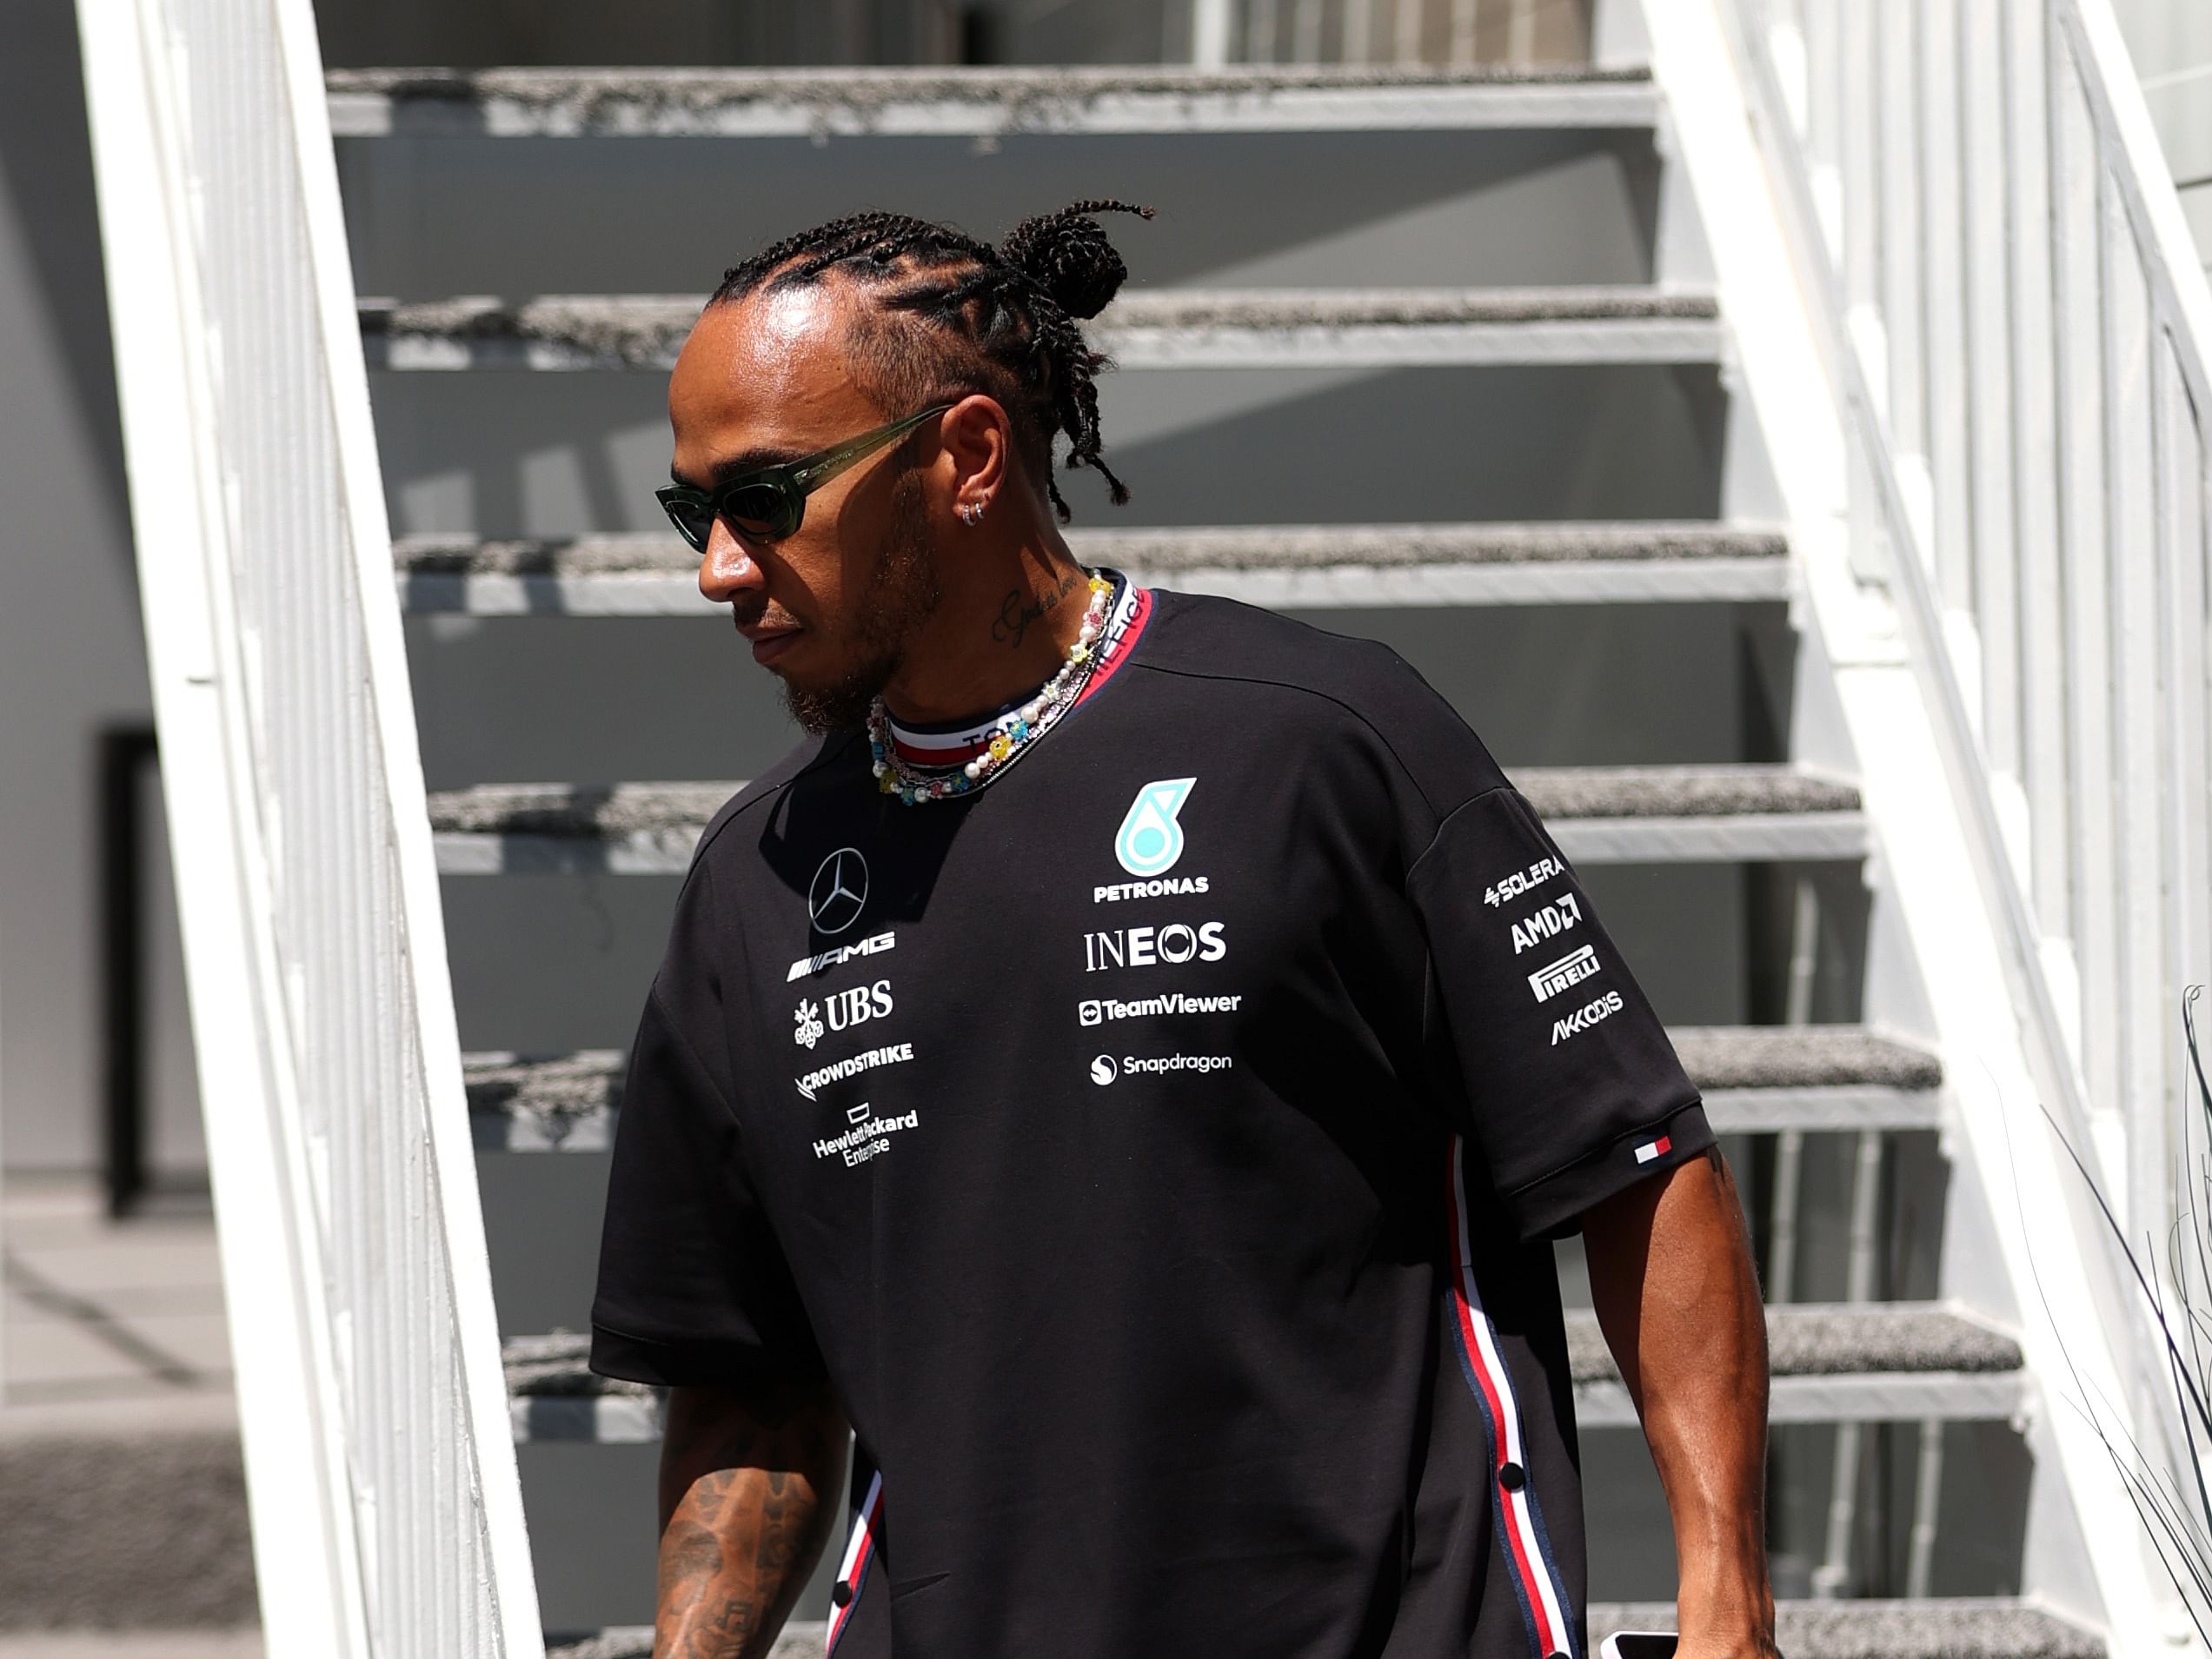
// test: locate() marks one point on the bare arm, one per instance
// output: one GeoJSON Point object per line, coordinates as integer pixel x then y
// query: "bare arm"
{"type": "Point", "coordinates": [1678, 1300]}
{"type": "Point", "coordinates": [748, 1490]}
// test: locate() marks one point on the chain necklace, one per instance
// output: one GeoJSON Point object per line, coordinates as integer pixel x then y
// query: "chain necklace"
{"type": "Point", "coordinates": [895, 775]}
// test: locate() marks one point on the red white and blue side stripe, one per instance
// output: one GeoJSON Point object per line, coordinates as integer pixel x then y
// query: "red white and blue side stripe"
{"type": "Point", "coordinates": [859, 1554]}
{"type": "Point", "coordinates": [1527, 1549]}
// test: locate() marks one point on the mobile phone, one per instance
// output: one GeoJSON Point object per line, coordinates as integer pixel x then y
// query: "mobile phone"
{"type": "Point", "coordinates": [1637, 1644]}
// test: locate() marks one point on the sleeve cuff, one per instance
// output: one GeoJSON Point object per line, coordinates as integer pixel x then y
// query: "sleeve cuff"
{"type": "Point", "coordinates": [1553, 1205]}
{"type": "Point", "coordinates": [696, 1365]}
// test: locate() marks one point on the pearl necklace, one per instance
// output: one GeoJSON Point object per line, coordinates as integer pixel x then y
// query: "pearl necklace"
{"type": "Point", "coordinates": [895, 776]}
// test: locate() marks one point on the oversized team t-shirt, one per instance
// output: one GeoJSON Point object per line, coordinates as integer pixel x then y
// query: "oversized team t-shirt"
{"type": "Point", "coordinates": [1159, 1151]}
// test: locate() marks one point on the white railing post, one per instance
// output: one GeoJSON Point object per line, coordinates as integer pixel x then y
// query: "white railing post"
{"type": "Point", "coordinates": [2095, 323]}
{"type": "Point", "coordinates": [380, 1464]}
{"type": "Point", "coordinates": [1211, 25]}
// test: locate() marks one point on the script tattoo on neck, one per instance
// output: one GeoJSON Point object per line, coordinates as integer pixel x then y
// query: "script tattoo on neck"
{"type": "Point", "coordinates": [1016, 614]}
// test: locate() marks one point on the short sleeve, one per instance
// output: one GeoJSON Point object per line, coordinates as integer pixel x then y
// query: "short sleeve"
{"type": "Point", "coordinates": [1571, 1089]}
{"type": "Point", "coordinates": [693, 1288]}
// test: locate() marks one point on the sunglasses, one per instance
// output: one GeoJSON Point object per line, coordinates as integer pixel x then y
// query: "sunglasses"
{"type": "Point", "coordinates": [768, 504]}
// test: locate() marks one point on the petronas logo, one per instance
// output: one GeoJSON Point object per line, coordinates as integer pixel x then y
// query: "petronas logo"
{"type": "Point", "coordinates": [1150, 840]}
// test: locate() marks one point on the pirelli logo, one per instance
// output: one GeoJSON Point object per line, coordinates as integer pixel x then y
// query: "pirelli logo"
{"type": "Point", "coordinates": [1571, 968]}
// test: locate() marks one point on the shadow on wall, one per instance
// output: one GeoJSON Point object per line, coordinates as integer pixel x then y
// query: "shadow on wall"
{"type": "Point", "coordinates": [363, 33]}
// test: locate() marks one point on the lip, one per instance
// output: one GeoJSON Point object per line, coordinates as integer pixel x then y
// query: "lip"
{"type": "Point", "coordinates": [768, 644]}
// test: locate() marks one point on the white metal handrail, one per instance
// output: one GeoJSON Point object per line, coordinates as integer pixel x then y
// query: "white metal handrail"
{"type": "Point", "coordinates": [2030, 325]}
{"type": "Point", "coordinates": [381, 1470]}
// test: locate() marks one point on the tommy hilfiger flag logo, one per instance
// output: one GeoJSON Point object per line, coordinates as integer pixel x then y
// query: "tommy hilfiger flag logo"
{"type": "Point", "coordinates": [1652, 1149]}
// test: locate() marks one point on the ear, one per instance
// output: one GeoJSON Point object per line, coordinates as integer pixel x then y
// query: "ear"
{"type": "Point", "coordinates": [976, 444]}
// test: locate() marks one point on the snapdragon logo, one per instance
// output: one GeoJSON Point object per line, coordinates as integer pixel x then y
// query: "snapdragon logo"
{"type": "Point", "coordinates": [1150, 840]}
{"type": "Point", "coordinates": [1105, 1068]}
{"type": "Point", "coordinates": [1136, 1066]}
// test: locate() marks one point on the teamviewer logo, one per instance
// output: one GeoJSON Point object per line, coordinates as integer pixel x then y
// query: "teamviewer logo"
{"type": "Point", "coordinates": [1104, 1071]}
{"type": "Point", "coordinates": [1091, 1014]}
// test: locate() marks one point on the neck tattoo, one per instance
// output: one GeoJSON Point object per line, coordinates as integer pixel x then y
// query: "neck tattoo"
{"type": "Point", "coordinates": [1011, 625]}
{"type": "Point", "coordinates": [895, 775]}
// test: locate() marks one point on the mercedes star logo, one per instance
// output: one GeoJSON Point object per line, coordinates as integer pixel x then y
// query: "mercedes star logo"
{"type": "Point", "coordinates": [840, 892]}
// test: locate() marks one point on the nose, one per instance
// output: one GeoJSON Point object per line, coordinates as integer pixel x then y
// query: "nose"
{"type": "Point", "coordinates": [728, 570]}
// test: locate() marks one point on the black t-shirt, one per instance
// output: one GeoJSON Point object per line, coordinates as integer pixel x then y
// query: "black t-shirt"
{"type": "Point", "coordinates": [1159, 1151]}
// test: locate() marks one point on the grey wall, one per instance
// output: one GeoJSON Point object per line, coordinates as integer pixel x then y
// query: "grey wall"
{"type": "Point", "coordinates": [71, 657]}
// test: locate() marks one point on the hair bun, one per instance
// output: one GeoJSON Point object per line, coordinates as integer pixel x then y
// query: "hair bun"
{"type": "Point", "coordinates": [1067, 254]}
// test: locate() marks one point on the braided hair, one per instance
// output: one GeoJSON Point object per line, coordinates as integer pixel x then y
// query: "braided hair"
{"type": "Point", "coordinates": [954, 315]}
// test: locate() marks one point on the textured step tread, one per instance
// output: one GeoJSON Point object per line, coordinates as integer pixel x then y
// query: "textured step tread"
{"type": "Point", "coordinates": [1708, 791]}
{"type": "Point", "coordinates": [1801, 1057]}
{"type": "Point", "coordinates": [1931, 1628]}
{"type": "Point", "coordinates": [1838, 1339]}
{"type": "Point", "coordinates": [598, 811]}
{"type": "Point", "coordinates": [974, 101]}
{"type": "Point", "coordinates": [1804, 1339]}
{"type": "Point", "coordinates": [578, 811]}
{"type": "Point", "coordinates": [1949, 1628]}
{"type": "Point", "coordinates": [561, 1099]}
{"type": "Point", "coordinates": [1875, 1340]}
{"type": "Point", "coordinates": [1166, 553]}
{"type": "Point", "coordinates": [647, 330]}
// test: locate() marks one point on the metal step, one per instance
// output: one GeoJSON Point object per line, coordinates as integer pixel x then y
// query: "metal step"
{"type": "Point", "coordinates": [1284, 567]}
{"type": "Point", "coordinates": [1754, 1078]}
{"type": "Point", "coordinates": [1597, 815]}
{"type": "Point", "coordinates": [754, 103]}
{"type": "Point", "coordinates": [1761, 1079]}
{"type": "Point", "coordinates": [1953, 1629]}
{"type": "Point", "coordinates": [1865, 1363]}
{"type": "Point", "coordinates": [1874, 1362]}
{"type": "Point", "coordinates": [1930, 1628]}
{"type": "Point", "coordinates": [1157, 328]}
{"type": "Point", "coordinates": [1714, 813]}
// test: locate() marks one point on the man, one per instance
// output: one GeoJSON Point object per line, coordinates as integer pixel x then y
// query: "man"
{"type": "Point", "coordinates": [1129, 1064]}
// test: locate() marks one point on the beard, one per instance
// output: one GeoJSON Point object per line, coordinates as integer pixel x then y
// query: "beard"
{"type": "Point", "coordinates": [900, 594]}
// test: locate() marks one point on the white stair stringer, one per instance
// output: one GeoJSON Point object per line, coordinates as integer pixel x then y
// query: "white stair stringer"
{"type": "Point", "coordinates": [1944, 955]}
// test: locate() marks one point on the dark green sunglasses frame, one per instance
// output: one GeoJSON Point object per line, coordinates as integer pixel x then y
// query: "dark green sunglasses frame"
{"type": "Point", "coordinates": [777, 501]}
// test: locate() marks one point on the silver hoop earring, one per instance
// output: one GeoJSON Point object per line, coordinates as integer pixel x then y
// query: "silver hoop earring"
{"type": "Point", "coordinates": [972, 513]}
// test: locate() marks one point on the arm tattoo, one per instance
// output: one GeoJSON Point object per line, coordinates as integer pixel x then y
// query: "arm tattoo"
{"type": "Point", "coordinates": [748, 1491]}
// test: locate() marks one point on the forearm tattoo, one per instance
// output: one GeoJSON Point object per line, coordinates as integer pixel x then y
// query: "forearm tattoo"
{"type": "Point", "coordinates": [749, 1489]}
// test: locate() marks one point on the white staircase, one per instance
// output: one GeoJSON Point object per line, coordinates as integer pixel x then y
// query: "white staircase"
{"type": "Point", "coordinates": [1578, 385]}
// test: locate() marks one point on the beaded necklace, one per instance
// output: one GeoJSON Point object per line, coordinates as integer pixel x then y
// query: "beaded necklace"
{"type": "Point", "coordinates": [895, 775]}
